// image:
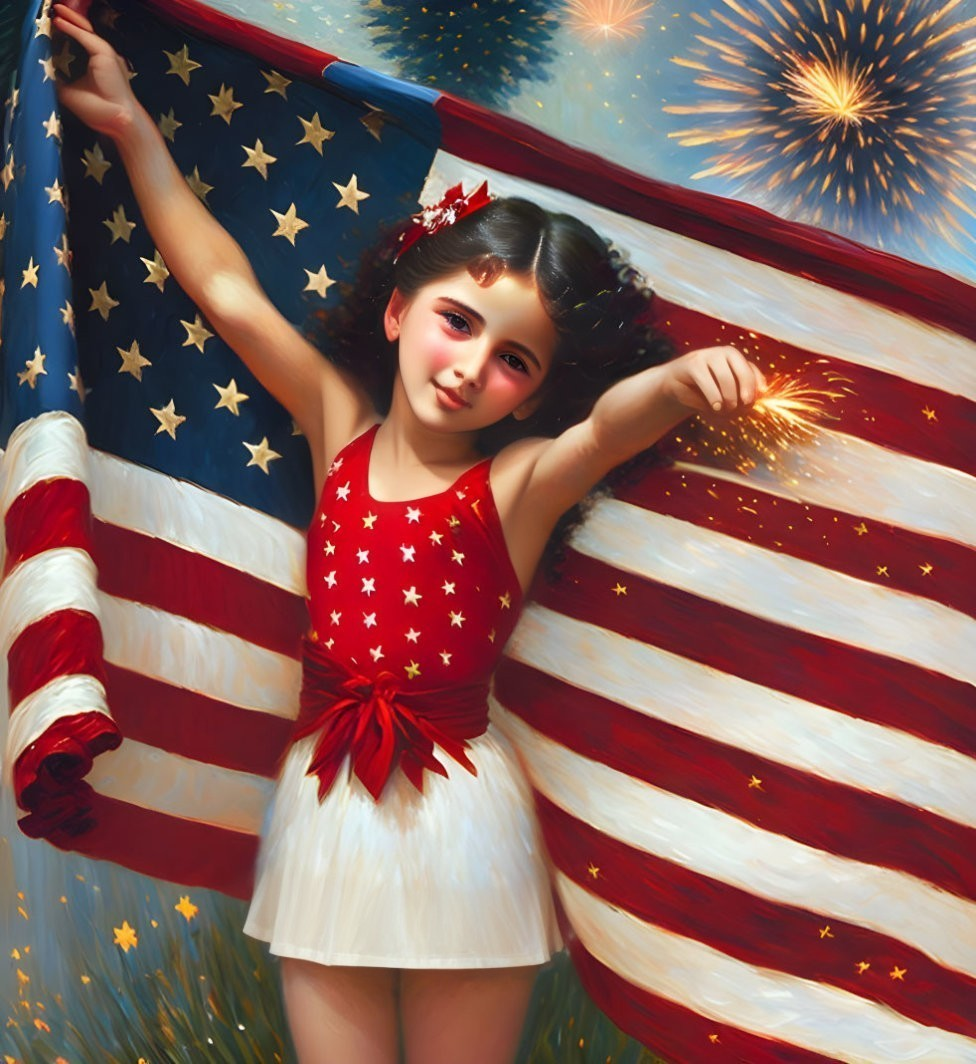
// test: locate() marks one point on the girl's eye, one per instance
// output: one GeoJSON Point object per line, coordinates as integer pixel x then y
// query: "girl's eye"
{"type": "Point", "coordinates": [515, 362]}
{"type": "Point", "coordinates": [456, 321]}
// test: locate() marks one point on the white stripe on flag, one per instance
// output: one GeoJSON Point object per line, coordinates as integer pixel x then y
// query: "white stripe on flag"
{"type": "Point", "coordinates": [49, 446]}
{"type": "Point", "coordinates": [198, 520]}
{"type": "Point", "coordinates": [712, 843]}
{"type": "Point", "coordinates": [790, 1009]}
{"type": "Point", "coordinates": [781, 727]}
{"type": "Point", "coordinates": [756, 297]}
{"type": "Point", "coordinates": [789, 591]}
{"type": "Point", "coordinates": [198, 658]}
{"type": "Point", "coordinates": [62, 578]}
{"type": "Point", "coordinates": [180, 786]}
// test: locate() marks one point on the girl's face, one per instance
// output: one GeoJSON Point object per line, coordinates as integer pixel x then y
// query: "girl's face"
{"type": "Point", "coordinates": [470, 355]}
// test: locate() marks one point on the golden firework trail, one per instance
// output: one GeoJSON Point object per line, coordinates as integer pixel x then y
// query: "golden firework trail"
{"type": "Point", "coordinates": [859, 115]}
{"type": "Point", "coordinates": [607, 19]}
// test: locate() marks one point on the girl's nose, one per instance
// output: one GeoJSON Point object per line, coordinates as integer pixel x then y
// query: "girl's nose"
{"type": "Point", "coordinates": [471, 370]}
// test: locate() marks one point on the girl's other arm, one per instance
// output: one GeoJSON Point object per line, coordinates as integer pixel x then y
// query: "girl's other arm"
{"type": "Point", "coordinates": [631, 416]}
{"type": "Point", "coordinates": [209, 265]}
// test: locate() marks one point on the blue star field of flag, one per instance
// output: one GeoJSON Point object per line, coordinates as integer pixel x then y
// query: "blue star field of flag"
{"type": "Point", "coordinates": [304, 177]}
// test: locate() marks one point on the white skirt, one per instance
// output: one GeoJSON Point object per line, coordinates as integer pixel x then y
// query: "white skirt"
{"type": "Point", "coordinates": [455, 877]}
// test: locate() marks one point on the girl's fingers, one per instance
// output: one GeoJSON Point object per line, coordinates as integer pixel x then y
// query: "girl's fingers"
{"type": "Point", "coordinates": [725, 379]}
{"type": "Point", "coordinates": [76, 12]}
{"type": "Point", "coordinates": [78, 28]}
{"type": "Point", "coordinates": [705, 383]}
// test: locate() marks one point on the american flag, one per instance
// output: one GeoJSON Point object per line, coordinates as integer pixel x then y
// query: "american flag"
{"type": "Point", "coordinates": [746, 705]}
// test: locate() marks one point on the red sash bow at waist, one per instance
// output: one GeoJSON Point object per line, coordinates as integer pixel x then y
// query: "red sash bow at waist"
{"type": "Point", "coordinates": [380, 725]}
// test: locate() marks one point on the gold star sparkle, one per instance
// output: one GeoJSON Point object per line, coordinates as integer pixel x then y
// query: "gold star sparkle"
{"type": "Point", "coordinates": [62, 60]}
{"type": "Point", "coordinates": [929, 413]}
{"type": "Point", "coordinates": [412, 670]}
{"type": "Point", "coordinates": [926, 568]}
{"type": "Point", "coordinates": [102, 301]}
{"type": "Point", "coordinates": [30, 274]}
{"type": "Point", "coordinates": [52, 126]}
{"type": "Point", "coordinates": [168, 125]}
{"type": "Point", "coordinates": [714, 1039]}
{"type": "Point", "coordinates": [95, 162]}
{"type": "Point", "coordinates": [47, 65]}
{"type": "Point", "coordinates": [33, 368]}
{"type": "Point", "coordinates": [619, 590]}
{"type": "Point", "coordinates": [119, 226]}
{"type": "Point", "coordinates": [862, 967]}
{"type": "Point", "coordinates": [68, 315]}
{"type": "Point", "coordinates": [861, 529]}
{"type": "Point", "coordinates": [230, 397]}
{"type": "Point", "coordinates": [374, 122]}
{"type": "Point", "coordinates": [276, 83]}
{"type": "Point", "coordinates": [125, 936]}
{"type": "Point", "coordinates": [198, 185]}
{"type": "Point", "coordinates": [258, 158]}
{"type": "Point", "coordinates": [156, 270]}
{"type": "Point", "coordinates": [197, 334]}
{"type": "Point", "coordinates": [318, 282]}
{"type": "Point", "coordinates": [55, 193]}
{"type": "Point", "coordinates": [76, 384]}
{"type": "Point", "coordinates": [43, 25]}
{"type": "Point", "coordinates": [224, 104]}
{"type": "Point", "coordinates": [133, 360]}
{"type": "Point", "coordinates": [186, 908]}
{"type": "Point", "coordinates": [261, 454]}
{"type": "Point", "coordinates": [315, 132]}
{"type": "Point", "coordinates": [3, 226]}
{"type": "Point", "coordinates": [289, 224]}
{"type": "Point", "coordinates": [898, 973]}
{"type": "Point", "coordinates": [755, 783]}
{"type": "Point", "coordinates": [63, 253]}
{"type": "Point", "coordinates": [7, 173]}
{"type": "Point", "coordinates": [181, 64]}
{"type": "Point", "coordinates": [349, 194]}
{"type": "Point", "coordinates": [593, 870]}
{"type": "Point", "coordinates": [825, 932]}
{"type": "Point", "coordinates": [169, 420]}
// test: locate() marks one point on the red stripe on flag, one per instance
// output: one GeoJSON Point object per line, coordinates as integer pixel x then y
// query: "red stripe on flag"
{"type": "Point", "coordinates": [678, 1032]}
{"type": "Point", "coordinates": [180, 851]}
{"type": "Point", "coordinates": [859, 683]}
{"type": "Point", "coordinates": [884, 409]}
{"type": "Point", "coordinates": [758, 931]}
{"type": "Point", "coordinates": [817, 812]}
{"type": "Point", "coordinates": [50, 514]}
{"type": "Point", "coordinates": [60, 644]}
{"type": "Point", "coordinates": [881, 554]}
{"type": "Point", "coordinates": [194, 725]}
{"type": "Point", "coordinates": [144, 569]}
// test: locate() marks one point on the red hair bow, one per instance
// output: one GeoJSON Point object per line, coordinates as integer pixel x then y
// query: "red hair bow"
{"type": "Point", "coordinates": [453, 206]}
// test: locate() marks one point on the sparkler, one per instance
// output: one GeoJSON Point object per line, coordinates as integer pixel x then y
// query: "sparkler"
{"type": "Point", "coordinates": [604, 19]}
{"type": "Point", "coordinates": [790, 412]}
{"type": "Point", "coordinates": [858, 115]}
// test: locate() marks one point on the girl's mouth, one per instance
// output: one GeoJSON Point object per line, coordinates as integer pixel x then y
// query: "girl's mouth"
{"type": "Point", "coordinates": [450, 398]}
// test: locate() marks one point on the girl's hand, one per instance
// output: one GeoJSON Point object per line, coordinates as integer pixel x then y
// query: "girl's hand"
{"type": "Point", "coordinates": [715, 379]}
{"type": "Point", "coordinates": [101, 97]}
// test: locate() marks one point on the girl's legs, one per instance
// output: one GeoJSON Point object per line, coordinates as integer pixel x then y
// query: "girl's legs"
{"type": "Point", "coordinates": [337, 1015]}
{"type": "Point", "coordinates": [473, 1015]}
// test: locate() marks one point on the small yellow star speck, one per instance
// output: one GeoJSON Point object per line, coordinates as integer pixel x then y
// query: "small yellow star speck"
{"type": "Point", "coordinates": [43, 25]}
{"type": "Point", "coordinates": [181, 64]}
{"type": "Point", "coordinates": [881, 570]}
{"type": "Point", "coordinates": [261, 454]}
{"type": "Point", "coordinates": [168, 125]}
{"type": "Point", "coordinates": [55, 193]}
{"type": "Point", "coordinates": [457, 619]}
{"type": "Point", "coordinates": [593, 870]}
{"type": "Point", "coordinates": [199, 187]}
{"type": "Point", "coordinates": [349, 194]}
{"type": "Point", "coordinates": [62, 60]}
{"type": "Point", "coordinates": [491, 636]}
{"type": "Point", "coordinates": [169, 420]}
{"type": "Point", "coordinates": [30, 274]}
{"type": "Point", "coordinates": [413, 670]}
{"type": "Point", "coordinates": [315, 132]}
{"type": "Point", "coordinates": [505, 600]}
{"type": "Point", "coordinates": [156, 270]}
{"type": "Point", "coordinates": [861, 529]}
{"type": "Point", "coordinates": [133, 360]}
{"type": "Point", "coordinates": [76, 384]}
{"type": "Point", "coordinates": [47, 65]}
{"type": "Point", "coordinates": [63, 253]}
{"type": "Point", "coordinates": [619, 589]}
{"type": "Point", "coordinates": [926, 568]}
{"type": "Point", "coordinates": [102, 301]}
{"type": "Point", "coordinates": [825, 932]}
{"type": "Point", "coordinates": [289, 224]}
{"type": "Point", "coordinates": [33, 368]}
{"type": "Point", "coordinates": [713, 1038]}
{"type": "Point", "coordinates": [369, 520]}
{"type": "Point", "coordinates": [197, 334]}
{"type": "Point", "coordinates": [119, 226]}
{"type": "Point", "coordinates": [862, 967]}
{"type": "Point", "coordinates": [68, 315]}
{"type": "Point", "coordinates": [125, 936]}
{"type": "Point", "coordinates": [374, 122]}
{"type": "Point", "coordinates": [319, 282]}
{"type": "Point", "coordinates": [230, 397]}
{"type": "Point", "coordinates": [186, 908]}
{"type": "Point", "coordinates": [755, 783]}
{"type": "Point", "coordinates": [258, 158]}
{"type": "Point", "coordinates": [929, 413]}
{"type": "Point", "coordinates": [898, 973]}
{"type": "Point", "coordinates": [7, 173]}
{"type": "Point", "coordinates": [276, 83]}
{"type": "Point", "coordinates": [224, 104]}
{"type": "Point", "coordinates": [446, 656]}
{"type": "Point", "coordinates": [95, 162]}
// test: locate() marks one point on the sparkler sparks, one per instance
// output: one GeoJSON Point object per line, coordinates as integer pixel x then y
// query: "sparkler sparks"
{"type": "Point", "coordinates": [606, 19]}
{"type": "Point", "coordinates": [858, 115]}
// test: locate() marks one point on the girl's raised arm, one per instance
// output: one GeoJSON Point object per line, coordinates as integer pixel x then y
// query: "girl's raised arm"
{"type": "Point", "coordinates": [327, 403]}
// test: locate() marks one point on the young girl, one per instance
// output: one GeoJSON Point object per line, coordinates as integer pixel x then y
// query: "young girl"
{"type": "Point", "coordinates": [402, 879]}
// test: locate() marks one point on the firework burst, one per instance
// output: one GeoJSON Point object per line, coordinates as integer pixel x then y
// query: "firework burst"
{"type": "Point", "coordinates": [607, 19]}
{"type": "Point", "coordinates": [857, 115]}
